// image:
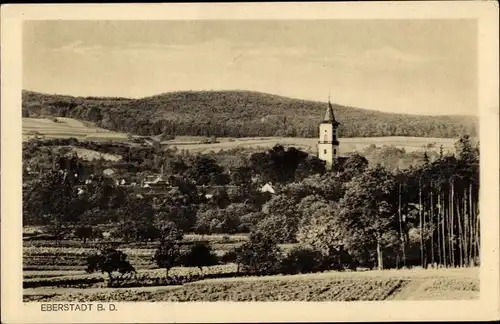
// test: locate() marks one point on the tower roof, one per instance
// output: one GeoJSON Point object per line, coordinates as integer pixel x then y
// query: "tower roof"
{"type": "Point", "coordinates": [329, 116]}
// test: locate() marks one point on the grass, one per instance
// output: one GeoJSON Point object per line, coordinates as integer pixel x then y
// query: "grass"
{"type": "Point", "coordinates": [329, 286]}
{"type": "Point", "coordinates": [313, 290]}
{"type": "Point", "coordinates": [68, 127]}
{"type": "Point", "coordinates": [71, 254]}
{"type": "Point", "coordinates": [94, 155]}
{"type": "Point", "coordinates": [49, 273]}
{"type": "Point", "coordinates": [56, 273]}
{"type": "Point", "coordinates": [40, 255]}
{"type": "Point", "coordinates": [144, 277]}
{"type": "Point", "coordinates": [63, 281]}
{"type": "Point", "coordinates": [309, 144]}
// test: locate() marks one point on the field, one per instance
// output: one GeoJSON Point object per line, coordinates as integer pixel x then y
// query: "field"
{"type": "Point", "coordinates": [309, 144]}
{"type": "Point", "coordinates": [67, 127]}
{"type": "Point", "coordinates": [70, 255]}
{"type": "Point", "coordinates": [438, 284]}
{"type": "Point", "coordinates": [55, 272]}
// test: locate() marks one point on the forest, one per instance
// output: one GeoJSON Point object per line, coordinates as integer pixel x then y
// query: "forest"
{"type": "Point", "coordinates": [237, 114]}
{"type": "Point", "coordinates": [426, 214]}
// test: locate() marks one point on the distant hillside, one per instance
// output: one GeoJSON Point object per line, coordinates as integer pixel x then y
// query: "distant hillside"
{"type": "Point", "coordinates": [236, 114]}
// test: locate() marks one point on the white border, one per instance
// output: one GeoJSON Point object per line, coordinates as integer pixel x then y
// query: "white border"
{"type": "Point", "coordinates": [487, 308]}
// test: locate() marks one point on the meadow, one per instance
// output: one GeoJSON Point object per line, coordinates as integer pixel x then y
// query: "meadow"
{"type": "Point", "coordinates": [42, 258]}
{"type": "Point", "coordinates": [68, 127]}
{"type": "Point", "coordinates": [62, 127]}
{"type": "Point", "coordinates": [416, 284]}
{"type": "Point", "coordinates": [353, 144]}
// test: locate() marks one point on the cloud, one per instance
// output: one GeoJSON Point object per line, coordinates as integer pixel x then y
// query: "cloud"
{"type": "Point", "coordinates": [238, 54]}
{"type": "Point", "coordinates": [376, 60]}
{"type": "Point", "coordinates": [77, 47]}
{"type": "Point", "coordinates": [392, 54]}
{"type": "Point", "coordinates": [143, 48]}
{"type": "Point", "coordinates": [68, 47]}
{"type": "Point", "coordinates": [149, 46]}
{"type": "Point", "coordinates": [338, 56]}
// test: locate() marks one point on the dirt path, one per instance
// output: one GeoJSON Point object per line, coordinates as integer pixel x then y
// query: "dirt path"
{"type": "Point", "coordinates": [412, 289]}
{"type": "Point", "coordinates": [423, 289]}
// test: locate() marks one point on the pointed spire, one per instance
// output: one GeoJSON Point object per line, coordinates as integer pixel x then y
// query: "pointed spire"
{"type": "Point", "coordinates": [329, 116]}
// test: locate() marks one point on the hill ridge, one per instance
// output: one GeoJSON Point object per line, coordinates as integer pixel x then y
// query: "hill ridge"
{"type": "Point", "coordinates": [237, 113]}
{"type": "Point", "coordinates": [240, 91]}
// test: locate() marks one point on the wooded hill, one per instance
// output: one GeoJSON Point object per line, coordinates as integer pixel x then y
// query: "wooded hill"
{"type": "Point", "coordinates": [237, 114]}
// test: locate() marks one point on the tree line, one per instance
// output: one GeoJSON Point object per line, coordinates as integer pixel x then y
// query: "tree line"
{"type": "Point", "coordinates": [134, 162]}
{"type": "Point", "coordinates": [260, 255]}
{"type": "Point", "coordinates": [236, 114]}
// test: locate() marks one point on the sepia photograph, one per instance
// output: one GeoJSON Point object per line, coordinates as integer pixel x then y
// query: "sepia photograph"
{"type": "Point", "coordinates": [256, 159]}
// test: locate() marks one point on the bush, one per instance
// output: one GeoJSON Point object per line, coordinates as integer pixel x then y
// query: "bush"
{"type": "Point", "coordinates": [339, 259]}
{"type": "Point", "coordinates": [167, 255]}
{"type": "Point", "coordinates": [147, 281]}
{"type": "Point", "coordinates": [209, 140]}
{"type": "Point", "coordinates": [200, 255]}
{"type": "Point", "coordinates": [302, 260]}
{"type": "Point", "coordinates": [109, 260]}
{"type": "Point", "coordinates": [259, 256]}
{"type": "Point", "coordinates": [217, 221]}
{"type": "Point", "coordinates": [85, 232]}
{"type": "Point", "coordinates": [77, 281]}
{"type": "Point", "coordinates": [230, 256]}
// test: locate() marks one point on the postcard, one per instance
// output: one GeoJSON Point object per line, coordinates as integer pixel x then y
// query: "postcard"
{"type": "Point", "coordinates": [250, 162]}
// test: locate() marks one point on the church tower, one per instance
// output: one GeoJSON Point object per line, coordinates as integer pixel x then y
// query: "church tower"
{"type": "Point", "coordinates": [328, 144]}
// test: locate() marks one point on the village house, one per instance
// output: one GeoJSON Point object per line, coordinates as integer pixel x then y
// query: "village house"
{"type": "Point", "coordinates": [268, 187]}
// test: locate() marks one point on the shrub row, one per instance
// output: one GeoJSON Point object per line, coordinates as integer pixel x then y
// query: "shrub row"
{"type": "Point", "coordinates": [67, 282]}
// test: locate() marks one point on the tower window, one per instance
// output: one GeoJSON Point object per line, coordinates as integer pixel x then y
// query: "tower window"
{"type": "Point", "coordinates": [324, 151]}
{"type": "Point", "coordinates": [334, 151]}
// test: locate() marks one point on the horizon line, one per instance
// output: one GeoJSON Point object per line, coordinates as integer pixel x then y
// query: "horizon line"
{"type": "Point", "coordinates": [249, 91]}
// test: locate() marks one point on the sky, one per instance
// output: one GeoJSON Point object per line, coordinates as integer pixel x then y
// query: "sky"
{"type": "Point", "coordinates": [405, 66]}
